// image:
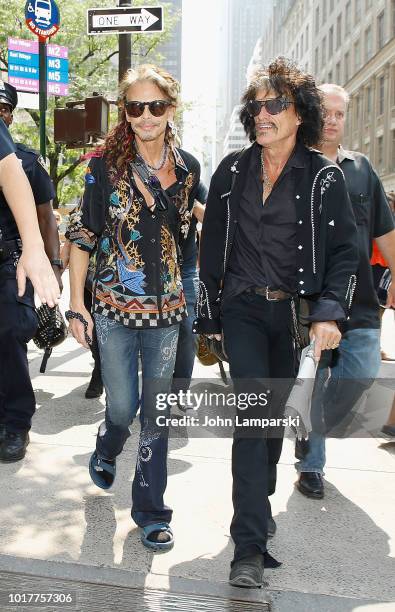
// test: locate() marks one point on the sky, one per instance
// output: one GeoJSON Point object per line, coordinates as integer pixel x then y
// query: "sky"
{"type": "Point", "coordinates": [199, 27]}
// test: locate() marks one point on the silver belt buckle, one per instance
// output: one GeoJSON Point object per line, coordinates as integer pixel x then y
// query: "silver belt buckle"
{"type": "Point", "coordinates": [269, 299]}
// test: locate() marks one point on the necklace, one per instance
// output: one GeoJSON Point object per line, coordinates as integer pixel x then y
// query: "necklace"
{"type": "Point", "coordinates": [267, 184]}
{"type": "Point", "coordinates": [152, 169]}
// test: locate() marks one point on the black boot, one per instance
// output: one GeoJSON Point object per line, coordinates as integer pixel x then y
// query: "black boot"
{"type": "Point", "coordinates": [13, 448]}
{"type": "Point", "coordinates": [95, 387]}
{"type": "Point", "coordinates": [311, 485]}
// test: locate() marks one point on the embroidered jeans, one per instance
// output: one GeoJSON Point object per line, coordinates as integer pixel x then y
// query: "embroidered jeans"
{"type": "Point", "coordinates": [120, 348]}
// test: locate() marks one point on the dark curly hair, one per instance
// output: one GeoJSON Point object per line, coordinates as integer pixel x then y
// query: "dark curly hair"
{"type": "Point", "coordinates": [285, 78]}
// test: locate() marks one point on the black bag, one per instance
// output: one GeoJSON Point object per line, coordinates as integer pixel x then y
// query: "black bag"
{"type": "Point", "coordinates": [51, 331]}
{"type": "Point", "coordinates": [382, 290]}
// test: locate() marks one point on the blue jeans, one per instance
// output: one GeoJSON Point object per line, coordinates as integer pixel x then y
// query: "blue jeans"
{"type": "Point", "coordinates": [353, 368]}
{"type": "Point", "coordinates": [120, 348]}
{"type": "Point", "coordinates": [187, 341]}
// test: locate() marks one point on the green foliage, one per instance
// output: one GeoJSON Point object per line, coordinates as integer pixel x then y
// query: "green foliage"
{"type": "Point", "coordinates": [93, 67]}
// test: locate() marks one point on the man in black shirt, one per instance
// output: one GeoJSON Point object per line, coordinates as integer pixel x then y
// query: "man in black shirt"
{"type": "Point", "coordinates": [18, 322]}
{"type": "Point", "coordinates": [283, 226]}
{"type": "Point", "coordinates": [355, 364]}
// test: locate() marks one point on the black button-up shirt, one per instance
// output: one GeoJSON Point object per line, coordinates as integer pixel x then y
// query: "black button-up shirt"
{"type": "Point", "coordinates": [264, 248]}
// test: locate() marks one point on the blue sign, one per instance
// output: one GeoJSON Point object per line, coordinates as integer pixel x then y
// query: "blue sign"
{"type": "Point", "coordinates": [21, 64]}
{"type": "Point", "coordinates": [42, 17]}
{"type": "Point", "coordinates": [23, 59]}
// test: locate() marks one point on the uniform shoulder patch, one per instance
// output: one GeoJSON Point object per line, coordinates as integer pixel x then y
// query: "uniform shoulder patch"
{"type": "Point", "coordinates": [42, 163]}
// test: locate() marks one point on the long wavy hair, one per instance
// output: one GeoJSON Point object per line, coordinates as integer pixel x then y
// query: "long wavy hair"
{"type": "Point", "coordinates": [118, 146]}
{"type": "Point", "coordinates": [284, 77]}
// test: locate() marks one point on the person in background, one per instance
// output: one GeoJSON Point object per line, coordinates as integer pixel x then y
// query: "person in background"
{"type": "Point", "coordinates": [354, 365]}
{"type": "Point", "coordinates": [17, 314]}
{"type": "Point", "coordinates": [187, 341]}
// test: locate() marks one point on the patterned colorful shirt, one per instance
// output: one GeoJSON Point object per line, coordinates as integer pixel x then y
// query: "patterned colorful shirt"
{"type": "Point", "coordinates": [137, 276]}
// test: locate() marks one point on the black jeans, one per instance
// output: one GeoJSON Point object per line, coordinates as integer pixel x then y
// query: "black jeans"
{"type": "Point", "coordinates": [259, 345]}
{"type": "Point", "coordinates": [18, 324]}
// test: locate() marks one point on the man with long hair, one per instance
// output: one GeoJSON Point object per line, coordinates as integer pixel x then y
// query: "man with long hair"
{"type": "Point", "coordinates": [282, 227]}
{"type": "Point", "coordinates": [136, 209]}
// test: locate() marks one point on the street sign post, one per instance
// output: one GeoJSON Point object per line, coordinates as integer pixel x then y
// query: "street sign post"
{"type": "Point", "coordinates": [125, 19]}
{"type": "Point", "coordinates": [43, 19]}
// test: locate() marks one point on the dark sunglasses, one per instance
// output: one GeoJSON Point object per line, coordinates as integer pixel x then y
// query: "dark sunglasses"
{"type": "Point", "coordinates": [157, 108]}
{"type": "Point", "coordinates": [274, 106]}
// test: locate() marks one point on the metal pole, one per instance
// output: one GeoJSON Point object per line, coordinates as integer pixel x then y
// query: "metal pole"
{"type": "Point", "coordinates": [125, 48]}
{"type": "Point", "coordinates": [42, 47]}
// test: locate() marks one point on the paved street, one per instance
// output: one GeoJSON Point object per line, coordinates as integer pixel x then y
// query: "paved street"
{"type": "Point", "coordinates": [338, 553]}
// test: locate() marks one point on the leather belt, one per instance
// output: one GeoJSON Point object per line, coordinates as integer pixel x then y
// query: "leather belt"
{"type": "Point", "coordinates": [8, 247]}
{"type": "Point", "coordinates": [272, 295]}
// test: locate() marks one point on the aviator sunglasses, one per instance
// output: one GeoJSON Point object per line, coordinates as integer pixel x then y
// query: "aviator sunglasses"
{"type": "Point", "coordinates": [157, 108]}
{"type": "Point", "coordinates": [274, 106]}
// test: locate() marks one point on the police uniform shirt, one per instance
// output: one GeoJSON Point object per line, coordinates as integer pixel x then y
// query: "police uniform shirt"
{"type": "Point", "coordinates": [40, 182]}
{"type": "Point", "coordinates": [6, 143]}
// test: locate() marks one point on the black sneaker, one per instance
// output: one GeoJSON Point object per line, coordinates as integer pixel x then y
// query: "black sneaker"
{"type": "Point", "coordinates": [95, 387]}
{"type": "Point", "coordinates": [13, 447]}
{"type": "Point", "coordinates": [248, 572]}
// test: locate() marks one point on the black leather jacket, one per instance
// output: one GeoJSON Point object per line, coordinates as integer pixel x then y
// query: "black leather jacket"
{"type": "Point", "coordinates": [327, 255]}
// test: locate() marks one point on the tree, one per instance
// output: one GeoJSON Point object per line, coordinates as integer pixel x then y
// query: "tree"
{"type": "Point", "coordinates": [92, 67]}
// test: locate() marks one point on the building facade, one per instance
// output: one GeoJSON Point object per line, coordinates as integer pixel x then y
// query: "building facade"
{"type": "Point", "coordinates": [171, 49]}
{"type": "Point", "coordinates": [351, 43]}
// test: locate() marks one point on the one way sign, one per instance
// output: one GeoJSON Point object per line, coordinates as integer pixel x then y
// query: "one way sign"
{"type": "Point", "coordinates": [125, 19]}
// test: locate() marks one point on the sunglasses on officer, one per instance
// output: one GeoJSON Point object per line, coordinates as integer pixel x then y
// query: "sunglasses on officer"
{"type": "Point", "coordinates": [274, 106]}
{"type": "Point", "coordinates": [157, 108]}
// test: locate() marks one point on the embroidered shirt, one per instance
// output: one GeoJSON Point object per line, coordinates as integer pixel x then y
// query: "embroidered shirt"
{"type": "Point", "coordinates": [137, 276]}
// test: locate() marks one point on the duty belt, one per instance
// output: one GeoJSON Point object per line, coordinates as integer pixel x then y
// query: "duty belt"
{"type": "Point", "coordinates": [9, 247]}
{"type": "Point", "coordinates": [272, 295]}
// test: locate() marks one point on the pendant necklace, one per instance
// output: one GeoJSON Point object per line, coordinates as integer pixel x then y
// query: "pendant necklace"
{"type": "Point", "coordinates": [267, 184]}
{"type": "Point", "coordinates": [152, 169]}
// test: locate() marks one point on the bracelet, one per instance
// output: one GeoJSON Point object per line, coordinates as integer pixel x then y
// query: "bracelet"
{"type": "Point", "coordinates": [57, 262]}
{"type": "Point", "coordinates": [71, 314]}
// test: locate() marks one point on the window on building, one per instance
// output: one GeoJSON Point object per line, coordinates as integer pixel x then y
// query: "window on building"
{"type": "Point", "coordinates": [347, 21]}
{"type": "Point", "coordinates": [346, 67]}
{"type": "Point", "coordinates": [368, 4]}
{"type": "Point", "coordinates": [316, 67]}
{"type": "Point", "coordinates": [330, 76]}
{"type": "Point", "coordinates": [317, 19]}
{"type": "Point", "coordinates": [338, 31]}
{"type": "Point", "coordinates": [368, 44]}
{"type": "Point", "coordinates": [331, 5]}
{"type": "Point", "coordinates": [357, 11]}
{"type": "Point", "coordinates": [380, 105]}
{"type": "Point", "coordinates": [357, 107]}
{"type": "Point", "coordinates": [301, 46]}
{"type": "Point", "coordinates": [380, 152]}
{"type": "Point", "coordinates": [297, 51]}
{"type": "Point", "coordinates": [338, 80]}
{"type": "Point", "coordinates": [307, 37]}
{"type": "Point", "coordinates": [330, 42]}
{"type": "Point", "coordinates": [380, 30]}
{"type": "Point", "coordinates": [357, 56]}
{"type": "Point", "coordinates": [368, 104]}
{"type": "Point", "coordinates": [323, 52]}
{"type": "Point", "coordinates": [323, 11]}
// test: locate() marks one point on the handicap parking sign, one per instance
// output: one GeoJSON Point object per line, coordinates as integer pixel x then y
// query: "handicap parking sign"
{"type": "Point", "coordinates": [42, 17]}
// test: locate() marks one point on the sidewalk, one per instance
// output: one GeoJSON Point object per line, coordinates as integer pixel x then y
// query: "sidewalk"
{"type": "Point", "coordinates": [337, 553]}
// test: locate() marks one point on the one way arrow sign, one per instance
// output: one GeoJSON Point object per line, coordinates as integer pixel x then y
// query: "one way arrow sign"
{"type": "Point", "coordinates": [125, 19]}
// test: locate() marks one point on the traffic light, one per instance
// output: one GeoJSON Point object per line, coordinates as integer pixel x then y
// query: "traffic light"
{"type": "Point", "coordinates": [82, 122]}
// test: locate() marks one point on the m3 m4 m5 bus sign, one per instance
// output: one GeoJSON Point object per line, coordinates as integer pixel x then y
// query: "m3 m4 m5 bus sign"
{"type": "Point", "coordinates": [125, 20]}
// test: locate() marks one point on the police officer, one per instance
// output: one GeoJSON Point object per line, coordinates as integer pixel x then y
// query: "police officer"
{"type": "Point", "coordinates": [17, 316]}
